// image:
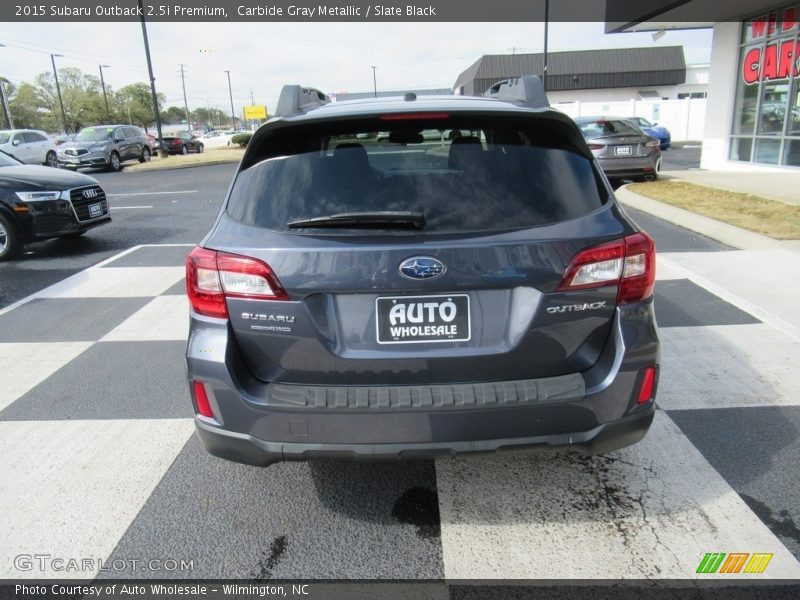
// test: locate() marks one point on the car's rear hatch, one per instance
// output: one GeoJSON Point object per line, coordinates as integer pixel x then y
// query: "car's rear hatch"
{"type": "Point", "coordinates": [476, 294]}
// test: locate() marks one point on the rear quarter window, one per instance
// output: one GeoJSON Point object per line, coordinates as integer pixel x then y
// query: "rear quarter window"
{"type": "Point", "coordinates": [463, 175]}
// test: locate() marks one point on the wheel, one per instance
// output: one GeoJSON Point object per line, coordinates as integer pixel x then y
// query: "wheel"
{"type": "Point", "coordinates": [145, 157]}
{"type": "Point", "coordinates": [116, 163]}
{"type": "Point", "coordinates": [184, 150]}
{"type": "Point", "coordinates": [51, 160]}
{"type": "Point", "coordinates": [10, 239]}
{"type": "Point", "coordinates": [200, 149]}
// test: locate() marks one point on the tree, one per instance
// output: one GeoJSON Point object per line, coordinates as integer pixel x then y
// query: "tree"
{"type": "Point", "coordinates": [81, 94]}
{"type": "Point", "coordinates": [173, 115]}
{"type": "Point", "coordinates": [28, 108]}
{"type": "Point", "coordinates": [210, 116]}
{"type": "Point", "coordinates": [134, 104]}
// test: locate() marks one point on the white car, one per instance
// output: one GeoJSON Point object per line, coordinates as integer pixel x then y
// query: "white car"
{"type": "Point", "coordinates": [29, 146]}
{"type": "Point", "coordinates": [217, 138]}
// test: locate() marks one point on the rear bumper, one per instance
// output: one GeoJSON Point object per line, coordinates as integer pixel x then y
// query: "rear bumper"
{"type": "Point", "coordinates": [630, 167]}
{"type": "Point", "coordinates": [592, 412]}
{"type": "Point", "coordinates": [253, 451]}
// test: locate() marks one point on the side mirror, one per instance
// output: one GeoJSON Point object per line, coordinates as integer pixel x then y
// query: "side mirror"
{"type": "Point", "coordinates": [16, 142]}
{"type": "Point", "coordinates": [117, 140]}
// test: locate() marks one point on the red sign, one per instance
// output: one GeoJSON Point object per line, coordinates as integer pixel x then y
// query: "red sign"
{"type": "Point", "coordinates": [771, 25]}
{"type": "Point", "coordinates": [777, 60]}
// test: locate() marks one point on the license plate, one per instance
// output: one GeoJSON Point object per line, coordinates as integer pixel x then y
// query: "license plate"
{"type": "Point", "coordinates": [415, 319]}
{"type": "Point", "coordinates": [95, 210]}
{"type": "Point", "coordinates": [622, 150]}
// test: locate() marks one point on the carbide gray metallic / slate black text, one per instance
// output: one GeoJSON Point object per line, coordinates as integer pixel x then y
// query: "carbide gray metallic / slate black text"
{"type": "Point", "coordinates": [415, 277]}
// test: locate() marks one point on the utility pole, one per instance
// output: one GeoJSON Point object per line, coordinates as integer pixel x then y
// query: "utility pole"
{"type": "Point", "coordinates": [152, 79]}
{"type": "Point", "coordinates": [4, 101]}
{"type": "Point", "coordinates": [374, 82]}
{"type": "Point", "coordinates": [252, 98]}
{"type": "Point", "coordinates": [58, 89]}
{"type": "Point", "coordinates": [105, 96]}
{"type": "Point", "coordinates": [230, 93]}
{"type": "Point", "coordinates": [185, 104]}
{"type": "Point", "coordinates": [546, 19]}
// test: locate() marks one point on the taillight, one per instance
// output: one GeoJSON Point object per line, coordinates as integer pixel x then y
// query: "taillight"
{"type": "Point", "coordinates": [596, 147]}
{"type": "Point", "coordinates": [653, 143]}
{"type": "Point", "coordinates": [201, 402]}
{"type": "Point", "coordinates": [629, 263]}
{"type": "Point", "coordinates": [212, 276]}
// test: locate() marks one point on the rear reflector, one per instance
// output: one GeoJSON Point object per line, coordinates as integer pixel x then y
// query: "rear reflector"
{"type": "Point", "coordinates": [213, 276]}
{"type": "Point", "coordinates": [628, 262]}
{"type": "Point", "coordinates": [201, 402]}
{"type": "Point", "coordinates": [646, 390]}
{"type": "Point", "coordinates": [596, 146]}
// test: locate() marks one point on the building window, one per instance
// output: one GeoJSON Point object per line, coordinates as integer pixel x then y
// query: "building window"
{"type": "Point", "coordinates": [766, 120]}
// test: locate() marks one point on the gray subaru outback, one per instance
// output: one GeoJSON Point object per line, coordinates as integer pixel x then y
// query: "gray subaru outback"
{"type": "Point", "coordinates": [377, 287]}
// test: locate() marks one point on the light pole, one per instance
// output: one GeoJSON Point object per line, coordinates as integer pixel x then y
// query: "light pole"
{"type": "Point", "coordinates": [230, 93]}
{"type": "Point", "coordinates": [185, 103]}
{"type": "Point", "coordinates": [58, 89]}
{"type": "Point", "coordinates": [105, 97]}
{"type": "Point", "coordinates": [546, 19]}
{"type": "Point", "coordinates": [374, 82]}
{"type": "Point", "coordinates": [161, 151]}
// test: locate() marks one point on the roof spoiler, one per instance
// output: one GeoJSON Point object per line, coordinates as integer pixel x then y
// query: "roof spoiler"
{"type": "Point", "coordinates": [296, 99]}
{"type": "Point", "coordinates": [527, 89]}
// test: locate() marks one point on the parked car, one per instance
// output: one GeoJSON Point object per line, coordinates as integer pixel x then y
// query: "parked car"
{"type": "Point", "coordinates": [38, 203]}
{"type": "Point", "coordinates": [104, 146]}
{"type": "Point", "coordinates": [214, 139]}
{"type": "Point", "coordinates": [182, 142]}
{"type": "Point", "coordinates": [655, 130]}
{"type": "Point", "coordinates": [29, 146]}
{"type": "Point", "coordinates": [395, 300]}
{"type": "Point", "coordinates": [621, 148]}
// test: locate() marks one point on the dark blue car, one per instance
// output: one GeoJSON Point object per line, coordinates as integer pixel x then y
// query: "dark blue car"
{"type": "Point", "coordinates": [374, 289]}
{"type": "Point", "coordinates": [655, 130]}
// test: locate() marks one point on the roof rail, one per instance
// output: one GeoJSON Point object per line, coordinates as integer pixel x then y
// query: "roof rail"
{"type": "Point", "coordinates": [296, 99]}
{"type": "Point", "coordinates": [528, 89]}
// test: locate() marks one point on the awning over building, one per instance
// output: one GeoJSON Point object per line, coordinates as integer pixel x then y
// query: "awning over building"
{"type": "Point", "coordinates": [578, 70]}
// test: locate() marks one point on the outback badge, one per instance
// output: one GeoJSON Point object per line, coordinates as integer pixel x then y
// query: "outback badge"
{"type": "Point", "coordinates": [421, 267]}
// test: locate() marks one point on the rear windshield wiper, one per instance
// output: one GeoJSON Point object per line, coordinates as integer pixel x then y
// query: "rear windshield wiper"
{"type": "Point", "coordinates": [376, 220]}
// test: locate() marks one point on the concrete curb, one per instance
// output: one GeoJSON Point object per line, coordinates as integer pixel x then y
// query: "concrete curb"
{"type": "Point", "coordinates": [183, 166]}
{"type": "Point", "coordinates": [727, 234]}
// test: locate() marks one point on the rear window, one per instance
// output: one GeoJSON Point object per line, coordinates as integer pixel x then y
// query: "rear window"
{"type": "Point", "coordinates": [461, 175]}
{"type": "Point", "coordinates": [598, 128]}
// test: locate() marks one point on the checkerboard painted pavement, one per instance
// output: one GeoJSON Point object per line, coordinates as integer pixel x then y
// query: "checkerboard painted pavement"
{"type": "Point", "coordinates": [98, 457]}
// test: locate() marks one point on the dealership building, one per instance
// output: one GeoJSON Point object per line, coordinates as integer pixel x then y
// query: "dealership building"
{"type": "Point", "coordinates": [753, 102]}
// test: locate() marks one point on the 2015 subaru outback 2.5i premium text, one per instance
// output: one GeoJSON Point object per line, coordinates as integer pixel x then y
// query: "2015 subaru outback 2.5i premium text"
{"type": "Point", "coordinates": [372, 291]}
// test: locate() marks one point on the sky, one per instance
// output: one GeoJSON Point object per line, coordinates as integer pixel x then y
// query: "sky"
{"type": "Point", "coordinates": [333, 57]}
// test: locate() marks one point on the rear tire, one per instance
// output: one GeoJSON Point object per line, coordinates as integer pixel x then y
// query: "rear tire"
{"type": "Point", "coordinates": [200, 149]}
{"type": "Point", "coordinates": [10, 239]}
{"type": "Point", "coordinates": [51, 160]}
{"type": "Point", "coordinates": [145, 157]}
{"type": "Point", "coordinates": [184, 150]}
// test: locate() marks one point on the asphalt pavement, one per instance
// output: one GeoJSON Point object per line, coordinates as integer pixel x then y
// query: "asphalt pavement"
{"type": "Point", "coordinates": [99, 457]}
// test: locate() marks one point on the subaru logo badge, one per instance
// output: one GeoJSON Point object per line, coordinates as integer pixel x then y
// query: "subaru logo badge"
{"type": "Point", "coordinates": [421, 267]}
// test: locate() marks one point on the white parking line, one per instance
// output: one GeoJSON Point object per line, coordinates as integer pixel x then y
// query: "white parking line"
{"type": "Point", "coordinates": [113, 208]}
{"type": "Point", "coordinates": [152, 193]}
